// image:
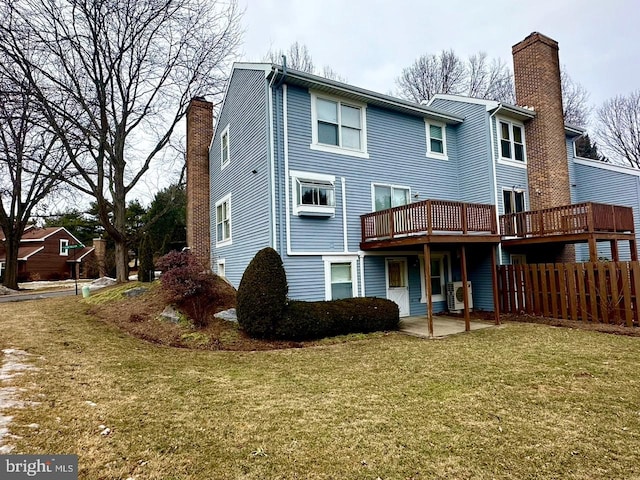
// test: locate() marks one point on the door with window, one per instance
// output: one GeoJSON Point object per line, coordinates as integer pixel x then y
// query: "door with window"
{"type": "Point", "coordinates": [398, 284]}
{"type": "Point", "coordinates": [513, 202]}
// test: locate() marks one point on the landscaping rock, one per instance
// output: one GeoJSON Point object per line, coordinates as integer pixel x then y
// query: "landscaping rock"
{"type": "Point", "coordinates": [102, 282]}
{"type": "Point", "coordinates": [229, 315]}
{"type": "Point", "coordinates": [134, 292]}
{"type": "Point", "coordinates": [6, 291]}
{"type": "Point", "coordinates": [171, 314]}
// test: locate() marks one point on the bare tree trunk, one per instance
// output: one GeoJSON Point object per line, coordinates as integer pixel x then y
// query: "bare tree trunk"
{"type": "Point", "coordinates": [11, 266]}
{"type": "Point", "coordinates": [122, 262]}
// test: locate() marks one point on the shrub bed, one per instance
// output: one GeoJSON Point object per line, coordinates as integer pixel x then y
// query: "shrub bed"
{"type": "Point", "coordinates": [311, 320]}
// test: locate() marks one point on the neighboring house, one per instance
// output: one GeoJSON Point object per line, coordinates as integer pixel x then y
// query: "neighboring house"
{"type": "Point", "coordinates": [44, 254]}
{"type": "Point", "coordinates": [363, 194]}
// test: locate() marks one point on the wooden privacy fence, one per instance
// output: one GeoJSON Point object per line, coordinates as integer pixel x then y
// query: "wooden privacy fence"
{"type": "Point", "coordinates": [606, 292]}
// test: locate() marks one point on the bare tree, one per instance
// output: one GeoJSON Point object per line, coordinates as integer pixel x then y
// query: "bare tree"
{"type": "Point", "coordinates": [447, 73]}
{"type": "Point", "coordinates": [299, 58]}
{"type": "Point", "coordinates": [32, 166]}
{"type": "Point", "coordinates": [619, 128]}
{"type": "Point", "coordinates": [575, 101]}
{"type": "Point", "coordinates": [114, 78]}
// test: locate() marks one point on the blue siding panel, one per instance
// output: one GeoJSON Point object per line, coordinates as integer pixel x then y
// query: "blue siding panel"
{"type": "Point", "coordinates": [245, 112]}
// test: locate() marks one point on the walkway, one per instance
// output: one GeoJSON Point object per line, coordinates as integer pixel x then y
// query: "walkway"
{"type": "Point", "coordinates": [442, 326]}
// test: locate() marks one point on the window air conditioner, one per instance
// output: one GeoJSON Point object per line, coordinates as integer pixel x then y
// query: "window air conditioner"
{"type": "Point", "coordinates": [455, 296]}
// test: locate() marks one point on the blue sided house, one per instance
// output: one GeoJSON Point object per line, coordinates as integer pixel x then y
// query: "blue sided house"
{"type": "Point", "coordinates": [364, 194]}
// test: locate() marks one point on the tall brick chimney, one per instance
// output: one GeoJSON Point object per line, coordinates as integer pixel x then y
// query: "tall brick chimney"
{"type": "Point", "coordinates": [536, 69]}
{"type": "Point", "coordinates": [199, 135]}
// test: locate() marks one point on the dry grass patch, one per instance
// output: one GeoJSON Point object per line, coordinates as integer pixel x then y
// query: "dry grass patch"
{"type": "Point", "coordinates": [520, 401]}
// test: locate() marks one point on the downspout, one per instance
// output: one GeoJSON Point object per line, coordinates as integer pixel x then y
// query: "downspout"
{"type": "Point", "coordinates": [495, 177]}
{"type": "Point", "coordinates": [274, 148]}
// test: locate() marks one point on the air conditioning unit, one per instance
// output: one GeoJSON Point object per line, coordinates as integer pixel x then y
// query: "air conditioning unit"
{"type": "Point", "coordinates": [455, 296]}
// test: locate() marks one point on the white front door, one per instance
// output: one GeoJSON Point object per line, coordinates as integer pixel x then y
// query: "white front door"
{"type": "Point", "coordinates": [398, 284]}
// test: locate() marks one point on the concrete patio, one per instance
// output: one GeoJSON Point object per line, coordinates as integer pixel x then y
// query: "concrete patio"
{"type": "Point", "coordinates": [442, 326]}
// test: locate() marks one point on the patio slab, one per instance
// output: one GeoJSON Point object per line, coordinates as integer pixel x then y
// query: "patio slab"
{"type": "Point", "coordinates": [442, 326]}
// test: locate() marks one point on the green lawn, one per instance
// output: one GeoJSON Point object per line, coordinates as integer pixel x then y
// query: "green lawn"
{"type": "Point", "coordinates": [518, 401]}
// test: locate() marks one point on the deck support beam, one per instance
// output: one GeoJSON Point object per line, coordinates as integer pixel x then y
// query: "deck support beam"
{"type": "Point", "coordinates": [614, 250]}
{"type": "Point", "coordinates": [593, 249]}
{"type": "Point", "coordinates": [494, 281]}
{"type": "Point", "coordinates": [427, 283]}
{"type": "Point", "coordinates": [465, 287]}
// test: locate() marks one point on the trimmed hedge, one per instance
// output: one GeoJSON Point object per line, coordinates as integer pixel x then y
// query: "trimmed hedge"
{"type": "Point", "coordinates": [311, 320]}
{"type": "Point", "coordinates": [262, 294]}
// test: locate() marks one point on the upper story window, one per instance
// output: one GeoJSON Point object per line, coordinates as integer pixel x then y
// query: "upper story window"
{"type": "Point", "coordinates": [223, 221]}
{"type": "Point", "coordinates": [512, 146]}
{"type": "Point", "coordinates": [64, 247]}
{"type": "Point", "coordinates": [436, 139]}
{"type": "Point", "coordinates": [225, 156]}
{"type": "Point", "coordinates": [314, 194]}
{"type": "Point", "coordinates": [338, 126]}
{"type": "Point", "coordinates": [388, 196]}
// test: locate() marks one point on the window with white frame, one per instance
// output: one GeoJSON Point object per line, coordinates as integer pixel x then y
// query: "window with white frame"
{"type": "Point", "coordinates": [388, 196]}
{"type": "Point", "coordinates": [223, 221]}
{"type": "Point", "coordinates": [313, 193]}
{"type": "Point", "coordinates": [225, 156]}
{"type": "Point", "coordinates": [438, 264]}
{"type": "Point", "coordinates": [512, 145]}
{"type": "Point", "coordinates": [221, 267]}
{"type": "Point", "coordinates": [340, 277]}
{"type": "Point", "coordinates": [338, 126]}
{"type": "Point", "coordinates": [64, 247]}
{"type": "Point", "coordinates": [436, 139]}
{"type": "Point", "coordinates": [513, 201]}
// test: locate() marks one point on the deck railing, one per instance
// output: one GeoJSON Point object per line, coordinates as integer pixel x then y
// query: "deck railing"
{"type": "Point", "coordinates": [428, 217]}
{"type": "Point", "coordinates": [568, 219]}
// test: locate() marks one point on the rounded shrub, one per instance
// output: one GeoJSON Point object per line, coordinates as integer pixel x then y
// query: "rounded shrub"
{"type": "Point", "coordinates": [262, 294]}
{"type": "Point", "coordinates": [311, 320]}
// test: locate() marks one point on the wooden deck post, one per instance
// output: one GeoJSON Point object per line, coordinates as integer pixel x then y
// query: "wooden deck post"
{"type": "Point", "coordinates": [465, 287]}
{"type": "Point", "coordinates": [634, 250]}
{"type": "Point", "coordinates": [494, 281]}
{"type": "Point", "coordinates": [593, 250]}
{"type": "Point", "coordinates": [614, 250]}
{"type": "Point", "coordinates": [427, 278]}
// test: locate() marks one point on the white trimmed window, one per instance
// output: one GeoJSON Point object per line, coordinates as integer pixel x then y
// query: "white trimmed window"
{"type": "Point", "coordinates": [64, 247]}
{"type": "Point", "coordinates": [513, 201]}
{"type": "Point", "coordinates": [436, 140]}
{"type": "Point", "coordinates": [511, 141]}
{"type": "Point", "coordinates": [388, 196]}
{"type": "Point", "coordinates": [338, 126]}
{"type": "Point", "coordinates": [340, 277]}
{"type": "Point", "coordinates": [223, 221]}
{"type": "Point", "coordinates": [438, 264]}
{"type": "Point", "coordinates": [313, 194]}
{"type": "Point", "coordinates": [225, 155]}
{"type": "Point", "coordinates": [221, 267]}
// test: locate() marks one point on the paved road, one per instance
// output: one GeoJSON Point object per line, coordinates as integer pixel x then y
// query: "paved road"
{"type": "Point", "coordinates": [22, 297]}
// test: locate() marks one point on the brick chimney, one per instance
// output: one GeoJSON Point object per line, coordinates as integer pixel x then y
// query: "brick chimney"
{"type": "Point", "coordinates": [199, 135]}
{"type": "Point", "coordinates": [536, 69]}
{"type": "Point", "coordinates": [100, 251]}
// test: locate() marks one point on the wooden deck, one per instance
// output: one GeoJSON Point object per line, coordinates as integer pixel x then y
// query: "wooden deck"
{"type": "Point", "coordinates": [566, 220]}
{"type": "Point", "coordinates": [429, 221]}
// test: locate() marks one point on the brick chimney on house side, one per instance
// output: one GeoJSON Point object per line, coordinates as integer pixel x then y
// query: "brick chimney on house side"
{"type": "Point", "coordinates": [199, 135]}
{"type": "Point", "coordinates": [536, 70]}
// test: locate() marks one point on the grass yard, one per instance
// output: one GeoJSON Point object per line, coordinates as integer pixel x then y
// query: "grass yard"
{"type": "Point", "coordinates": [520, 401]}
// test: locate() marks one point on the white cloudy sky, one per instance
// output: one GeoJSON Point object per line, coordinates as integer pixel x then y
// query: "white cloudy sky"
{"type": "Point", "coordinates": [370, 41]}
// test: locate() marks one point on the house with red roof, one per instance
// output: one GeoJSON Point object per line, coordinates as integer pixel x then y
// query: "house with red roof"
{"type": "Point", "coordinates": [50, 253]}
